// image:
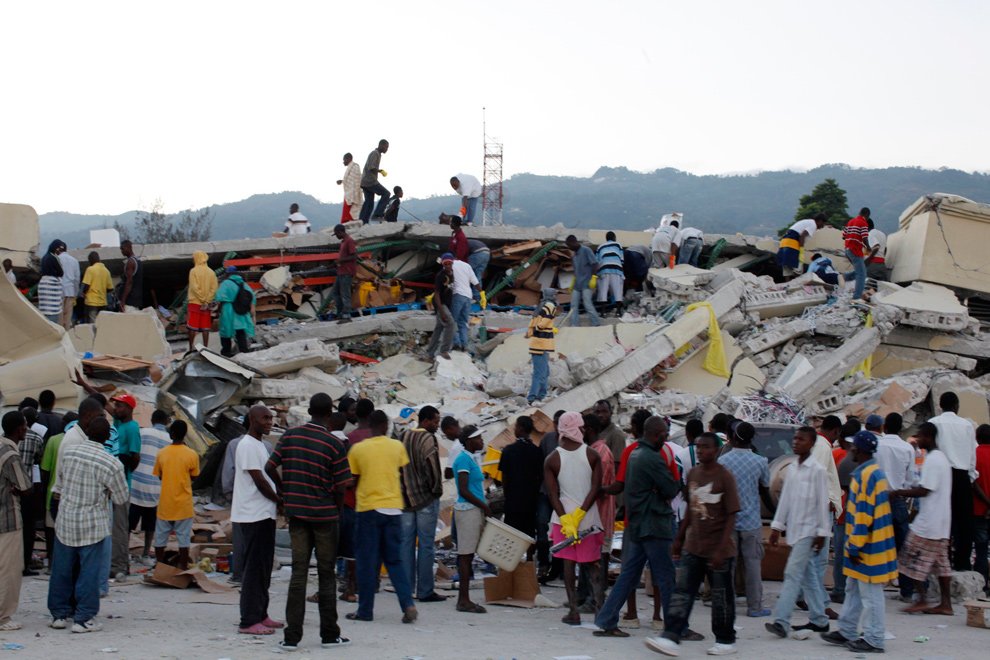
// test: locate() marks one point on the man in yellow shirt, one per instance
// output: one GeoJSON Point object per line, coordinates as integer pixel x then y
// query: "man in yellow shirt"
{"type": "Point", "coordinates": [95, 284]}
{"type": "Point", "coordinates": [175, 465]}
{"type": "Point", "coordinates": [375, 464]}
{"type": "Point", "coordinates": [202, 292]}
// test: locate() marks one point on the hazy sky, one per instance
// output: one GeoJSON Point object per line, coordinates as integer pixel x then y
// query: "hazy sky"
{"type": "Point", "coordinates": [107, 106]}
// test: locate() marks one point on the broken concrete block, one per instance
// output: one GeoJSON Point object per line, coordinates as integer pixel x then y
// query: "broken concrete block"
{"type": "Point", "coordinates": [82, 337]}
{"type": "Point", "coordinates": [965, 585]}
{"type": "Point", "coordinates": [898, 395]}
{"type": "Point", "coordinates": [321, 381]}
{"type": "Point", "coordinates": [770, 304]}
{"type": "Point", "coordinates": [891, 360]}
{"type": "Point", "coordinates": [507, 383]}
{"type": "Point", "coordinates": [418, 391]}
{"type": "Point", "coordinates": [965, 363]}
{"type": "Point", "coordinates": [586, 367]}
{"type": "Point", "coordinates": [19, 228]}
{"type": "Point", "coordinates": [794, 372]}
{"type": "Point", "coordinates": [763, 359]}
{"type": "Point", "coordinates": [829, 368]}
{"type": "Point", "coordinates": [787, 352]}
{"type": "Point", "coordinates": [972, 395]}
{"type": "Point", "coordinates": [292, 356]}
{"type": "Point", "coordinates": [276, 388]}
{"type": "Point", "coordinates": [274, 280]}
{"type": "Point", "coordinates": [776, 335]}
{"type": "Point", "coordinates": [459, 372]}
{"type": "Point", "coordinates": [926, 305]}
{"type": "Point", "coordinates": [828, 402]}
{"type": "Point", "coordinates": [361, 326]}
{"type": "Point", "coordinates": [134, 334]}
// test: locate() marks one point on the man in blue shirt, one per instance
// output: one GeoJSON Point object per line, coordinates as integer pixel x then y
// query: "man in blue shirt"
{"type": "Point", "coordinates": [611, 274]}
{"type": "Point", "coordinates": [585, 267]}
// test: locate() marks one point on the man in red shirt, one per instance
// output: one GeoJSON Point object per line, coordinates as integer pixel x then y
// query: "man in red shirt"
{"type": "Point", "coordinates": [346, 270]}
{"type": "Point", "coordinates": [458, 241]}
{"type": "Point", "coordinates": [855, 237]}
{"type": "Point", "coordinates": [981, 503]}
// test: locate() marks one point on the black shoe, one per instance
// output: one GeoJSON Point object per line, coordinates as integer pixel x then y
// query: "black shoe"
{"type": "Point", "coordinates": [812, 627]}
{"type": "Point", "coordinates": [692, 636]}
{"type": "Point", "coordinates": [837, 598]}
{"type": "Point", "coordinates": [433, 598]}
{"type": "Point", "coordinates": [802, 605]}
{"type": "Point", "coordinates": [353, 616]}
{"type": "Point", "coordinates": [776, 629]}
{"type": "Point", "coordinates": [28, 573]}
{"type": "Point", "coordinates": [862, 646]}
{"type": "Point", "coordinates": [835, 637]}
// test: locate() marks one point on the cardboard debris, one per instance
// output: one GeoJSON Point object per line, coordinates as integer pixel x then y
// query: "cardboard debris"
{"type": "Point", "coordinates": [518, 588]}
{"type": "Point", "coordinates": [169, 576]}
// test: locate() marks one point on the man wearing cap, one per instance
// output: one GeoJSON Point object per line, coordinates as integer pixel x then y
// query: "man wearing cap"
{"type": "Point", "coordinates": [542, 343]}
{"type": "Point", "coordinates": [869, 557]}
{"type": "Point", "coordinates": [443, 293]}
{"type": "Point", "coordinates": [346, 270]}
{"type": "Point", "coordinates": [896, 458]}
{"type": "Point", "coordinates": [128, 451]}
{"type": "Point", "coordinates": [458, 245]}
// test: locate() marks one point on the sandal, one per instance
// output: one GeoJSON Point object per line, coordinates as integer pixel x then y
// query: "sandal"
{"type": "Point", "coordinates": [614, 632]}
{"type": "Point", "coordinates": [256, 629]}
{"type": "Point", "coordinates": [472, 609]}
{"type": "Point", "coordinates": [8, 626]}
{"type": "Point", "coordinates": [347, 598]}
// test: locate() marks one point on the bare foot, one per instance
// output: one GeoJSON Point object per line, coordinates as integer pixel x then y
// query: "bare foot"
{"type": "Point", "coordinates": [920, 606]}
{"type": "Point", "coordinates": [940, 609]}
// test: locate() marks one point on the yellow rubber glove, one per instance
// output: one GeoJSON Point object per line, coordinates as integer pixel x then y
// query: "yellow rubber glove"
{"type": "Point", "coordinates": [428, 299]}
{"type": "Point", "coordinates": [578, 514]}
{"type": "Point", "coordinates": [593, 282]}
{"type": "Point", "coordinates": [568, 526]}
{"type": "Point", "coordinates": [484, 300]}
{"type": "Point", "coordinates": [383, 172]}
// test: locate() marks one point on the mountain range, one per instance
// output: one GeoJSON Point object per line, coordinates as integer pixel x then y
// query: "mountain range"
{"type": "Point", "coordinates": [613, 197]}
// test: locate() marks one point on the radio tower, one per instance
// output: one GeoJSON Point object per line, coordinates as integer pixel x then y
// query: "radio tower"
{"type": "Point", "coordinates": [491, 196]}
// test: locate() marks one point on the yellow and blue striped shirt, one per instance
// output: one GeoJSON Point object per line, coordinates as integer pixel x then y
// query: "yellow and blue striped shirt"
{"type": "Point", "coordinates": [869, 527]}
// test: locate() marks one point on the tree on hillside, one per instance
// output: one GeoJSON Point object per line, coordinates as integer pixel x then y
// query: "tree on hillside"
{"type": "Point", "coordinates": [828, 198]}
{"type": "Point", "coordinates": [154, 226]}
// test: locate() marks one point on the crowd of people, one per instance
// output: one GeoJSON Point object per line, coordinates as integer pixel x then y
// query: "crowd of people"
{"type": "Point", "coordinates": [355, 488]}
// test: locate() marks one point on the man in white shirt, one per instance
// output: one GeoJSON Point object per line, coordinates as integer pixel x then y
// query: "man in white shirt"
{"type": "Point", "coordinates": [255, 505]}
{"type": "Point", "coordinates": [896, 458]}
{"type": "Point", "coordinates": [664, 244]}
{"type": "Point", "coordinates": [297, 223]}
{"type": "Point", "coordinates": [469, 188]}
{"type": "Point", "coordinates": [876, 260]}
{"type": "Point", "coordinates": [353, 197]}
{"type": "Point", "coordinates": [689, 242]}
{"type": "Point", "coordinates": [926, 551]}
{"type": "Point", "coordinates": [70, 286]}
{"type": "Point", "coordinates": [821, 453]}
{"type": "Point", "coordinates": [957, 440]}
{"type": "Point", "coordinates": [803, 514]}
{"type": "Point", "coordinates": [789, 249]}
{"type": "Point", "coordinates": [460, 308]}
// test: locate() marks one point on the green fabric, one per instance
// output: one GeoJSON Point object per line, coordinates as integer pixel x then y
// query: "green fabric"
{"type": "Point", "coordinates": [230, 321]}
{"type": "Point", "coordinates": [128, 441]}
{"type": "Point", "coordinates": [49, 462]}
{"type": "Point", "coordinates": [649, 488]}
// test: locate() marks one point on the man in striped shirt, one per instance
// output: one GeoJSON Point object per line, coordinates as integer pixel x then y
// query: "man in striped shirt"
{"type": "Point", "coordinates": [146, 487]}
{"type": "Point", "coordinates": [855, 236]}
{"type": "Point", "coordinates": [611, 275]}
{"type": "Point", "coordinates": [314, 475]}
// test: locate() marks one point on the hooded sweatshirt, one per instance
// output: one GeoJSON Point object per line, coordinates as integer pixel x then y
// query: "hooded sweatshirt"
{"type": "Point", "coordinates": [202, 281]}
{"type": "Point", "coordinates": [50, 265]}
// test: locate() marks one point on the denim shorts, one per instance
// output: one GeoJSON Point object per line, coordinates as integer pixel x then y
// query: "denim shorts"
{"type": "Point", "coordinates": [182, 529]}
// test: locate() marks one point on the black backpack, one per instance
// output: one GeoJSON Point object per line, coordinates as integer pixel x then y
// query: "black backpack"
{"type": "Point", "coordinates": [243, 299]}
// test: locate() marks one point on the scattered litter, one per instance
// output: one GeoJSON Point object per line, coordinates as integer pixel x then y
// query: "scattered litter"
{"type": "Point", "coordinates": [109, 649]}
{"type": "Point", "coordinates": [572, 657]}
{"type": "Point", "coordinates": [921, 639]}
{"type": "Point", "coordinates": [889, 635]}
{"type": "Point", "coordinates": [11, 646]}
{"type": "Point", "coordinates": [803, 634]}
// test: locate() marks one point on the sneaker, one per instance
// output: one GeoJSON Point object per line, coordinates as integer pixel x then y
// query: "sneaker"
{"type": "Point", "coordinates": [88, 626]}
{"type": "Point", "coordinates": [835, 637]}
{"type": "Point", "coordinates": [288, 648]}
{"type": "Point", "coordinates": [862, 646]}
{"type": "Point", "coordinates": [722, 649]}
{"type": "Point", "coordinates": [812, 627]}
{"type": "Point", "coordinates": [58, 624]}
{"type": "Point", "coordinates": [663, 645]}
{"type": "Point", "coordinates": [334, 643]}
{"type": "Point", "coordinates": [776, 629]}
{"type": "Point", "coordinates": [756, 614]}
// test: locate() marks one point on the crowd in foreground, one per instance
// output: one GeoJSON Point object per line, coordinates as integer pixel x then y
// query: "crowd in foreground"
{"type": "Point", "coordinates": [349, 491]}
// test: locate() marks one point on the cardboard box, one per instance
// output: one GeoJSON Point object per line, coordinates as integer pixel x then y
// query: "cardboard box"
{"type": "Point", "coordinates": [517, 588]}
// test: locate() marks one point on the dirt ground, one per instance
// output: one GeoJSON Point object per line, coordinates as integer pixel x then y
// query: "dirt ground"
{"type": "Point", "coordinates": [154, 622]}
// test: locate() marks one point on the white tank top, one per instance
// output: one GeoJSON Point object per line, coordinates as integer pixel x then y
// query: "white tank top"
{"type": "Point", "coordinates": [574, 480]}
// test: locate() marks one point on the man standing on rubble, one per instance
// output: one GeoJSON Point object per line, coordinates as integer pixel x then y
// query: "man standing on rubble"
{"type": "Point", "coordinates": [611, 275]}
{"type": "Point", "coordinates": [422, 487]}
{"type": "Point", "coordinates": [442, 338]}
{"type": "Point", "coordinates": [95, 284]}
{"type": "Point", "coordinates": [236, 313]}
{"type": "Point", "coordinates": [346, 270]}
{"type": "Point", "coordinates": [458, 245]}
{"type": "Point", "coordinates": [690, 241]}
{"type": "Point", "coordinates": [463, 293]}
{"type": "Point", "coordinates": [202, 290]}
{"type": "Point", "coordinates": [479, 255]}
{"type": "Point", "coordinates": [876, 260]}
{"type": "Point", "coordinates": [255, 505]}
{"type": "Point", "coordinates": [353, 197]}
{"type": "Point", "coordinates": [371, 187]}
{"type": "Point", "coordinates": [792, 242]}
{"type": "Point", "coordinates": [132, 280]}
{"type": "Point", "coordinates": [314, 476]}
{"type": "Point", "coordinates": [469, 188]}
{"type": "Point", "coordinates": [957, 440]}
{"type": "Point", "coordinates": [297, 223]}
{"type": "Point", "coordinates": [856, 235]}
{"type": "Point", "coordinates": [176, 466]}
{"type": "Point", "coordinates": [542, 342]}
{"type": "Point", "coordinates": [664, 244]}
{"type": "Point", "coordinates": [585, 267]}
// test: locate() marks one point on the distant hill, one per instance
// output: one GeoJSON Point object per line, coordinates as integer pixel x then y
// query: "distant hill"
{"type": "Point", "coordinates": [611, 198]}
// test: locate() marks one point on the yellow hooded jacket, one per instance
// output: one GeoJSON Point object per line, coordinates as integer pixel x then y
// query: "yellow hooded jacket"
{"type": "Point", "coordinates": [541, 331]}
{"type": "Point", "coordinates": [202, 281]}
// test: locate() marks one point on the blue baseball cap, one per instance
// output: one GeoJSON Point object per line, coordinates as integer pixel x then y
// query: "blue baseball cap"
{"type": "Point", "coordinates": [865, 441]}
{"type": "Point", "coordinates": [874, 421]}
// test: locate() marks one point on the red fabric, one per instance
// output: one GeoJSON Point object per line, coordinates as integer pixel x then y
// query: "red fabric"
{"type": "Point", "coordinates": [838, 454]}
{"type": "Point", "coordinates": [587, 551]}
{"type": "Point", "coordinates": [668, 457]}
{"type": "Point", "coordinates": [459, 245]}
{"type": "Point", "coordinates": [197, 319]}
{"type": "Point", "coordinates": [347, 248]}
{"type": "Point", "coordinates": [345, 214]}
{"type": "Point", "coordinates": [983, 467]}
{"type": "Point", "coordinates": [855, 235]}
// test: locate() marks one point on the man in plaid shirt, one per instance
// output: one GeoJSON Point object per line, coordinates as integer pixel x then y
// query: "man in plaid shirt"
{"type": "Point", "coordinates": [31, 449]}
{"type": "Point", "coordinates": [13, 482]}
{"type": "Point", "coordinates": [88, 474]}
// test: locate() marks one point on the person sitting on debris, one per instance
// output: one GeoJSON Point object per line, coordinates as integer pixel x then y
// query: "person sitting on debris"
{"type": "Point", "coordinates": [802, 514]}
{"type": "Point", "coordinates": [375, 464]}
{"type": "Point", "coordinates": [236, 313]}
{"type": "Point", "coordinates": [926, 550]}
{"type": "Point", "coordinates": [869, 558]}
{"type": "Point", "coordinates": [690, 241]}
{"type": "Point", "coordinates": [573, 474]}
{"type": "Point", "coordinates": [15, 482]}
{"type": "Point", "coordinates": [296, 223]}
{"type": "Point", "coordinates": [585, 267]}
{"type": "Point", "coordinates": [255, 506]}
{"type": "Point", "coordinates": [521, 465]}
{"type": "Point", "coordinates": [202, 291]}
{"type": "Point", "coordinates": [458, 245]}
{"type": "Point", "coordinates": [175, 465]}
{"type": "Point", "coordinates": [876, 260]}
{"type": "Point", "coordinates": [792, 242]}
{"type": "Point", "coordinates": [346, 270]}
{"type": "Point", "coordinates": [611, 275]}
{"type": "Point", "coordinates": [664, 245]}
{"type": "Point", "coordinates": [465, 284]}
{"type": "Point", "coordinates": [442, 338]}
{"type": "Point", "coordinates": [314, 474]}
{"type": "Point", "coordinates": [542, 342]}
{"type": "Point", "coordinates": [649, 528]}
{"type": "Point", "coordinates": [90, 480]}
{"type": "Point", "coordinates": [96, 283]}
{"type": "Point", "coordinates": [353, 197]}
{"type": "Point", "coordinates": [469, 188]}
{"type": "Point", "coordinates": [145, 485]}
{"type": "Point", "coordinates": [392, 210]}
{"type": "Point", "coordinates": [855, 235]}
{"type": "Point", "coordinates": [50, 292]}
{"type": "Point", "coordinates": [822, 267]}
{"type": "Point", "coordinates": [422, 487]}
{"type": "Point", "coordinates": [470, 512]}
{"type": "Point", "coordinates": [706, 548]}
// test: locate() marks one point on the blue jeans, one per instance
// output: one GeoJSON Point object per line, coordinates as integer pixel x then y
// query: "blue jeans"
{"type": "Point", "coordinates": [85, 588]}
{"type": "Point", "coordinates": [863, 598]}
{"type": "Point", "coordinates": [690, 251]}
{"type": "Point", "coordinates": [839, 544]}
{"type": "Point", "coordinates": [470, 209]}
{"type": "Point", "coordinates": [635, 554]}
{"type": "Point", "coordinates": [690, 575]}
{"type": "Point", "coordinates": [574, 316]}
{"type": "Point", "coordinates": [899, 512]}
{"type": "Point", "coordinates": [369, 201]}
{"type": "Point", "coordinates": [478, 261]}
{"type": "Point", "coordinates": [981, 536]}
{"type": "Point", "coordinates": [858, 271]}
{"type": "Point", "coordinates": [541, 374]}
{"type": "Point", "coordinates": [802, 571]}
{"type": "Point", "coordinates": [378, 540]}
{"type": "Point", "coordinates": [460, 308]}
{"type": "Point", "coordinates": [421, 525]}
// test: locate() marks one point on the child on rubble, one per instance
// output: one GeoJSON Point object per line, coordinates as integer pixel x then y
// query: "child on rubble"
{"type": "Point", "coordinates": [392, 210]}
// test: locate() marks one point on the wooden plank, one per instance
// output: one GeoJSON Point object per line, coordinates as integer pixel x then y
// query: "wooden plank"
{"type": "Point", "coordinates": [279, 260]}
{"type": "Point", "coordinates": [354, 357]}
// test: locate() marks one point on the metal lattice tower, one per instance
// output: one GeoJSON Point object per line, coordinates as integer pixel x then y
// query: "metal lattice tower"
{"type": "Point", "coordinates": [491, 196]}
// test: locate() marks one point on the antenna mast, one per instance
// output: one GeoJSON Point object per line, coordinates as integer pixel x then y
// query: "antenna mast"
{"type": "Point", "coordinates": [491, 196]}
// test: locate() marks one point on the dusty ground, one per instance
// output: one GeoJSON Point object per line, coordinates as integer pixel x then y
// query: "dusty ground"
{"type": "Point", "coordinates": [151, 622]}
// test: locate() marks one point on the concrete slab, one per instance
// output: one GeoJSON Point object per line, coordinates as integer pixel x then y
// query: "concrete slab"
{"type": "Point", "coordinates": [392, 323]}
{"type": "Point", "coordinates": [913, 337]}
{"type": "Point", "coordinates": [972, 395]}
{"type": "Point", "coordinates": [926, 305]}
{"type": "Point", "coordinates": [770, 304]}
{"type": "Point", "coordinates": [830, 367]}
{"type": "Point", "coordinates": [292, 356]}
{"type": "Point", "coordinates": [891, 360]}
{"type": "Point", "coordinates": [82, 337]}
{"type": "Point", "coordinates": [19, 234]}
{"type": "Point", "coordinates": [691, 376]}
{"type": "Point", "coordinates": [134, 334]}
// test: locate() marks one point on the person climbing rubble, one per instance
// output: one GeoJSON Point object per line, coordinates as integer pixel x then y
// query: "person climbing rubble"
{"type": "Point", "coordinates": [541, 334]}
{"type": "Point", "coordinates": [236, 313]}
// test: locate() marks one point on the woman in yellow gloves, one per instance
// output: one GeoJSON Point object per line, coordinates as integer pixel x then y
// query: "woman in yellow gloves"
{"type": "Point", "coordinates": [573, 477]}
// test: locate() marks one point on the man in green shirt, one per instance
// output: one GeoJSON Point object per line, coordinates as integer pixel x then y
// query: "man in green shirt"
{"type": "Point", "coordinates": [129, 454]}
{"type": "Point", "coordinates": [49, 463]}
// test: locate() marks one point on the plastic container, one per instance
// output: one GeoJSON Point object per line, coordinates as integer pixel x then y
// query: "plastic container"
{"type": "Point", "coordinates": [489, 464]}
{"type": "Point", "coordinates": [503, 545]}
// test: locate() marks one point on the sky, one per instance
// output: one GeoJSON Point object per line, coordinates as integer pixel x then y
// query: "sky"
{"type": "Point", "coordinates": [109, 106]}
